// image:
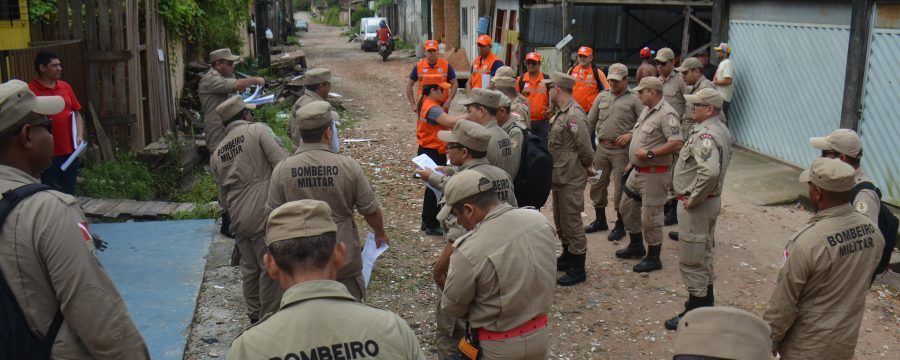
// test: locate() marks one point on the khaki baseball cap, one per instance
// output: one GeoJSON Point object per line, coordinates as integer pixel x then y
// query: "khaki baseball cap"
{"type": "Point", "coordinates": [650, 82]}
{"type": "Point", "coordinates": [483, 97]}
{"type": "Point", "coordinates": [617, 72]}
{"type": "Point", "coordinates": [504, 82]}
{"type": "Point", "coordinates": [723, 333]}
{"type": "Point", "coordinates": [665, 54]}
{"type": "Point", "coordinates": [17, 101]}
{"type": "Point", "coordinates": [468, 134]}
{"type": "Point", "coordinates": [505, 101]}
{"type": "Point", "coordinates": [562, 80]}
{"type": "Point", "coordinates": [830, 174]}
{"type": "Point", "coordinates": [232, 107]}
{"type": "Point", "coordinates": [222, 54]}
{"type": "Point", "coordinates": [317, 76]}
{"type": "Point", "coordinates": [844, 141]}
{"type": "Point", "coordinates": [299, 219]}
{"type": "Point", "coordinates": [505, 71]}
{"type": "Point", "coordinates": [689, 63]}
{"type": "Point", "coordinates": [705, 97]}
{"type": "Point", "coordinates": [314, 115]}
{"type": "Point", "coordinates": [462, 185]}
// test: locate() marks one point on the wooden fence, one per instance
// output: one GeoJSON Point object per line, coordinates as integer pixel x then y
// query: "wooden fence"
{"type": "Point", "coordinates": [19, 64]}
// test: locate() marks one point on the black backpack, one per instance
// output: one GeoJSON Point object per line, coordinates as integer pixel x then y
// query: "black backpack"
{"type": "Point", "coordinates": [16, 339]}
{"type": "Point", "coordinates": [597, 81]}
{"type": "Point", "coordinates": [532, 183]}
{"type": "Point", "coordinates": [888, 224]}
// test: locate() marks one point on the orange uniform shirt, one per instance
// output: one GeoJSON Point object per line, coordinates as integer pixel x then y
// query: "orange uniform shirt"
{"type": "Point", "coordinates": [536, 94]}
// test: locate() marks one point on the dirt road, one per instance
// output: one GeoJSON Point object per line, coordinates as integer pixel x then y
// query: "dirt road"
{"type": "Point", "coordinates": [616, 314]}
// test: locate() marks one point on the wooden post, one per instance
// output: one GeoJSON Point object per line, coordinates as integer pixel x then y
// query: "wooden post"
{"type": "Point", "coordinates": [135, 107]}
{"type": "Point", "coordinates": [719, 24]}
{"type": "Point", "coordinates": [262, 44]}
{"type": "Point", "coordinates": [858, 51]}
{"type": "Point", "coordinates": [686, 33]}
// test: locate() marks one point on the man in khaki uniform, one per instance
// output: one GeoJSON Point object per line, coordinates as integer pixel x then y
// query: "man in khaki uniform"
{"type": "Point", "coordinates": [242, 166]}
{"type": "Point", "coordinates": [316, 172]}
{"type": "Point", "coordinates": [513, 128]}
{"type": "Point", "coordinates": [482, 107]}
{"type": "Point", "coordinates": [613, 114]}
{"type": "Point", "coordinates": [673, 93]}
{"type": "Point", "coordinates": [501, 272]}
{"type": "Point", "coordinates": [47, 258]}
{"type": "Point", "coordinates": [691, 71]}
{"type": "Point", "coordinates": [820, 295]}
{"type": "Point", "coordinates": [502, 71]}
{"type": "Point", "coordinates": [698, 180]}
{"type": "Point", "coordinates": [317, 84]}
{"type": "Point", "coordinates": [216, 86]}
{"type": "Point", "coordinates": [319, 318]}
{"type": "Point", "coordinates": [519, 109]}
{"type": "Point", "coordinates": [653, 141]}
{"type": "Point", "coordinates": [570, 146]}
{"type": "Point", "coordinates": [467, 148]}
{"type": "Point", "coordinates": [723, 333]}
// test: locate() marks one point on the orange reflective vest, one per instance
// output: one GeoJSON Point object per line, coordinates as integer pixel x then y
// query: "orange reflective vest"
{"type": "Point", "coordinates": [441, 67]}
{"type": "Point", "coordinates": [536, 94]}
{"type": "Point", "coordinates": [586, 88]}
{"type": "Point", "coordinates": [426, 133]}
{"type": "Point", "coordinates": [482, 67]}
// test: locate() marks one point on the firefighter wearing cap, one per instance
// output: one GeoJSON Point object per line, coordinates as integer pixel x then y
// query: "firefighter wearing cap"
{"type": "Point", "coordinates": [656, 136]}
{"type": "Point", "coordinates": [216, 86]}
{"type": "Point", "coordinates": [724, 79]}
{"type": "Point", "coordinates": [530, 84]}
{"type": "Point", "coordinates": [242, 166]}
{"type": "Point", "coordinates": [691, 71]}
{"type": "Point", "coordinates": [512, 125]}
{"type": "Point", "coordinates": [698, 181]}
{"type": "Point", "coordinates": [673, 83]}
{"type": "Point", "coordinates": [48, 250]}
{"type": "Point", "coordinates": [315, 171]}
{"type": "Point", "coordinates": [589, 81]}
{"type": "Point", "coordinates": [520, 109]}
{"type": "Point", "coordinates": [570, 146]}
{"type": "Point", "coordinates": [501, 276]}
{"type": "Point", "coordinates": [817, 306]}
{"type": "Point", "coordinates": [432, 64]}
{"type": "Point", "coordinates": [646, 68]}
{"type": "Point", "coordinates": [723, 333]}
{"type": "Point", "coordinates": [485, 65]}
{"type": "Point", "coordinates": [318, 318]}
{"type": "Point", "coordinates": [482, 108]}
{"type": "Point", "coordinates": [317, 85]}
{"type": "Point", "coordinates": [467, 148]}
{"type": "Point", "coordinates": [502, 71]}
{"type": "Point", "coordinates": [611, 116]}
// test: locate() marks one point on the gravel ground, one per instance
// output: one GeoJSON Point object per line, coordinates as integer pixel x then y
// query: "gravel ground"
{"type": "Point", "coordinates": [616, 314]}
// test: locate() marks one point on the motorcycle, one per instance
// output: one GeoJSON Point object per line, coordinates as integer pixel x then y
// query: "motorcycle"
{"type": "Point", "coordinates": [385, 48]}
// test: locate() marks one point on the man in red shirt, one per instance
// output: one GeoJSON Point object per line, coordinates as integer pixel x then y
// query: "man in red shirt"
{"type": "Point", "coordinates": [383, 34]}
{"type": "Point", "coordinates": [48, 83]}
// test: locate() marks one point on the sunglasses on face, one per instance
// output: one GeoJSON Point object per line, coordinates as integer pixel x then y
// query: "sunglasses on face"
{"type": "Point", "coordinates": [830, 154]}
{"type": "Point", "coordinates": [661, 63]}
{"type": "Point", "coordinates": [454, 146]}
{"type": "Point", "coordinates": [531, 63]}
{"type": "Point", "coordinates": [44, 122]}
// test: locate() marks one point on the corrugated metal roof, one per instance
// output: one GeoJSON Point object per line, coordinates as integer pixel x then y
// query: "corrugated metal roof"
{"type": "Point", "coordinates": [879, 127]}
{"type": "Point", "coordinates": [789, 82]}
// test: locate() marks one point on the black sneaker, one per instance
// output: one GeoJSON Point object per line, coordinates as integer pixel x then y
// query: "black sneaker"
{"type": "Point", "coordinates": [434, 231]}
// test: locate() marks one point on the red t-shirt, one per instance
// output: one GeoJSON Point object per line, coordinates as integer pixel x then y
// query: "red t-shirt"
{"type": "Point", "coordinates": [62, 122]}
{"type": "Point", "coordinates": [383, 34]}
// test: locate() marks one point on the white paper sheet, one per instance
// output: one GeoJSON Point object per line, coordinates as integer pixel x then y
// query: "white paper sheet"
{"type": "Point", "coordinates": [370, 253]}
{"type": "Point", "coordinates": [596, 178]}
{"type": "Point", "coordinates": [425, 162]}
{"type": "Point", "coordinates": [335, 141]}
{"type": "Point", "coordinates": [74, 131]}
{"type": "Point", "coordinates": [254, 94]}
{"type": "Point", "coordinates": [262, 100]}
{"type": "Point", "coordinates": [74, 156]}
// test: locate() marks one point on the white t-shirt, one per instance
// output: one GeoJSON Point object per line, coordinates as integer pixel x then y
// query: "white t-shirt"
{"type": "Point", "coordinates": [725, 71]}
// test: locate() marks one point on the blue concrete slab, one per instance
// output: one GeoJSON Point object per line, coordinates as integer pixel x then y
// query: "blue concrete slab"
{"type": "Point", "coordinates": [158, 267]}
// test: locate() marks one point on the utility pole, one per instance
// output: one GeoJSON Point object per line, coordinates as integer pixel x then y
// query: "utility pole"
{"type": "Point", "coordinates": [566, 25]}
{"type": "Point", "coordinates": [262, 44]}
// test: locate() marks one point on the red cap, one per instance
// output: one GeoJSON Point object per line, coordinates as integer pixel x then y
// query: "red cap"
{"type": "Point", "coordinates": [431, 45]}
{"type": "Point", "coordinates": [435, 79]}
{"type": "Point", "coordinates": [533, 56]}
{"type": "Point", "coordinates": [645, 52]}
{"type": "Point", "coordinates": [585, 51]}
{"type": "Point", "coordinates": [484, 40]}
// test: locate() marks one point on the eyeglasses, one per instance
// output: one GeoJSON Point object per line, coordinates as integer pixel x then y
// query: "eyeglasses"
{"type": "Point", "coordinates": [455, 146]}
{"type": "Point", "coordinates": [661, 63]}
{"type": "Point", "coordinates": [44, 122]}
{"type": "Point", "coordinates": [531, 63]}
{"type": "Point", "coordinates": [830, 154]}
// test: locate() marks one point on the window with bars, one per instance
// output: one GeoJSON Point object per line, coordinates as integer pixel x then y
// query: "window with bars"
{"type": "Point", "coordinates": [9, 10]}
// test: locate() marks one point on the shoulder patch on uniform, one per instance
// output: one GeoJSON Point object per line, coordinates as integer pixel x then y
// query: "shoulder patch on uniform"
{"type": "Point", "coordinates": [573, 125]}
{"type": "Point", "coordinates": [706, 136]}
{"type": "Point", "coordinates": [862, 208]}
{"type": "Point", "coordinates": [514, 143]}
{"type": "Point", "coordinates": [706, 146]}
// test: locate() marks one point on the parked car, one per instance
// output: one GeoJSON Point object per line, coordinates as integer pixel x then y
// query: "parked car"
{"type": "Point", "coordinates": [302, 25]}
{"type": "Point", "coordinates": [367, 28]}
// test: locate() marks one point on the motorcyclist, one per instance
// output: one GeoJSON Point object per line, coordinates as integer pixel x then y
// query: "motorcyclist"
{"type": "Point", "coordinates": [383, 33]}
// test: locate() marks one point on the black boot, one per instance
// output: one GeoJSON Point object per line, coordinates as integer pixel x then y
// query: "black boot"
{"type": "Point", "coordinates": [710, 297]}
{"type": "Point", "coordinates": [635, 248]}
{"type": "Point", "coordinates": [225, 229]}
{"type": "Point", "coordinates": [670, 210]}
{"type": "Point", "coordinates": [599, 223]}
{"type": "Point", "coordinates": [564, 261]}
{"type": "Point", "coordinates": [575, 273]}
{"type": "Point", "coordinates": [693, 302]}
{"type": "Point", "coordinates": [651, 262]}
{"type": "Point", "coordinates": [673, 235]}
{"type": "Point", "coordinates": [618, 231]}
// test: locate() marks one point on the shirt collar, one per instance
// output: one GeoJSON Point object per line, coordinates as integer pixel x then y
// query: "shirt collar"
{"type": "Point", "coordinates": [304, 147]}
{"type": "Point", "coordinates": [13, 174]}
{"type": "Point", "coordinates": [568, 105]}
{"type": "Point", "coordinates": [38, 84]}
{"type": "Point", "coordinates": [490, 124]}
{"type": "Point", "coordinates": [316, 289]}
{"type": "Point", "coordinates": [832, 212]}
{"type": "Point", "coordinates": [499, 210]}
{"type": "Point", "coordinates": [472, 163]}
{"type": "Point", "coordinates": [235, 124]}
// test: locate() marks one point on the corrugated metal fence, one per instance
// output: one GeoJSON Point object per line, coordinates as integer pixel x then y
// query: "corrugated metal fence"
{"type": "Point", "coordinates": [782, 94]}
{"type": "Point", "coordinates": [879, 127]}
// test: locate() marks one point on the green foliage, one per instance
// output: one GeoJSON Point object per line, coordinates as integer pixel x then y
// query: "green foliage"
{"type": "Point", "coordinates": [211, 24]}
{"type": "Point", "coordinates": [122, 178]}
{"type": "Point", "coordinates": [382, 3]}
{"type": "Point", "coordinates": [301, 5]}
{"type": "Point", "coordinates": [183, 18]}
{"type": "Point", "coordinates": [359, 13]}
{"type": "Point", "coordinates": [42, 11]}
{"type": "Point", "coordinates": [399, 44]}
{"type": "Point", "coordinates": [332, 16]}
{"type": "Point", "coordinates": [202, 191]}
{"type": "Point", "coordinates": [200, 211]}
{"type": "Point", "coordinates": [277, 116]}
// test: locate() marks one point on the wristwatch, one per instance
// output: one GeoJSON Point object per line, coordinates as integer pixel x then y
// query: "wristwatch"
{"type": "Point", "coordinates": [649, 154]}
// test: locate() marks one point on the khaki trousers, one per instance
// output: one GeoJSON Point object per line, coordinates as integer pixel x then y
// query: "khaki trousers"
{"type": "Point", "coordinates": [531, 346]}
{"type": "Point", "coordinates": [262, 295]}
{"type": "Point", "coordinates": [568, 203]}
{"type": "Point", "coordinates": [448, 332]}
{"type": "Point", "coordinates": [646, 216]}
{"type": "Point", "coordinates": [696, 242]}
{"type": "Point", "coordinates": [612, 162]}
{"type": "Point", "coordinates": [356, 285]}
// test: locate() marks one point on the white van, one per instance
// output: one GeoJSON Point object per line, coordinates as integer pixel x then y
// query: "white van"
{"type": "Point", "coordinates": [367, 29]}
